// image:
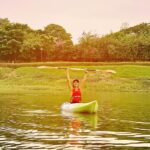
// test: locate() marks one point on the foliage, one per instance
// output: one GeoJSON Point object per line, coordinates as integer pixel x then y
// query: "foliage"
{"type": "Point", "coordinates": [130, 44]}
{"type": "Point", "coordinates": [20, 43]}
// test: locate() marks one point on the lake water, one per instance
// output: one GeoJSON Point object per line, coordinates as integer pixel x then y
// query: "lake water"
{"type": "Point", "coordinates": [35, 121]}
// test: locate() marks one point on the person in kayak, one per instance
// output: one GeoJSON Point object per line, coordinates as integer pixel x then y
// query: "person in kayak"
{"type": "Point", "coordinates": [75, 87]}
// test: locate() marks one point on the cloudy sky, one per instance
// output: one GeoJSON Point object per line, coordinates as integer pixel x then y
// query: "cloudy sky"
{"type": "Point", "coordinates": [76, 16]}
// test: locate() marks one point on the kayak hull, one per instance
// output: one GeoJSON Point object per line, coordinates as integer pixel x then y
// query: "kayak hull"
{"type": "Point", "coordinates": [90, 107]}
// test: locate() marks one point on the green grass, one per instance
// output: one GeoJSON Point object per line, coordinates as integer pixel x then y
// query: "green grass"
{"type": "Point", "coordinates": [29, 79]}
{"type": "Point", "coordinates": [33, 64]}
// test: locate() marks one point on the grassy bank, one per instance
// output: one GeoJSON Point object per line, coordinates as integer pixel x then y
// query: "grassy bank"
{"type": "Point", "coordinates": [27, 78]}
{"type": "Point", "coordinates": [16, 65]}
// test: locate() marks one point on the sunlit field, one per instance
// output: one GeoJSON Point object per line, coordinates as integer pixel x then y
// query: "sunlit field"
{"type": "Point", "coordinates": [29, 78]}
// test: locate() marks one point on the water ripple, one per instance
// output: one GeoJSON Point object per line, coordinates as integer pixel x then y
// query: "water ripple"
{"type": "Point", "coordinates": [93, 138]}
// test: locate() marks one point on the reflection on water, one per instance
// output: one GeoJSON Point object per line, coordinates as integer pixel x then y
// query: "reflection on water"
{"type": "Point", "coordinates": [29, 122]}
{"type": "Point", "coordinates": [74, 135]}
{"type": "Point", "coordinates": [91, 119]}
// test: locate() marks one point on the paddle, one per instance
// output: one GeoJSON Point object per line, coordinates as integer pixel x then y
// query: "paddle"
{"type": "Point", "coordinates": [79, 69]}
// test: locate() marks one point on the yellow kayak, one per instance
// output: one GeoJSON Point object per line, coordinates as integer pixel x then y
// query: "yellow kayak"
{"type": "Point", "coordinates": [90, 107]}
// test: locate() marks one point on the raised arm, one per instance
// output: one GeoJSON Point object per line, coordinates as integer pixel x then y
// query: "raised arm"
{"type": "Point", "coordinates": [84, 79]}
{"type": "Point", "coordinates": [68, 79]}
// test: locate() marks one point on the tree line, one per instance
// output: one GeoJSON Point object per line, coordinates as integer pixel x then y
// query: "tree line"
{"type": "Point", "coordinates": [20, 43]}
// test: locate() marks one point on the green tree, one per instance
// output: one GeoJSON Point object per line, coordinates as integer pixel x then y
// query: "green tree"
{"type": "Point", "coordinates": [11, 39]}
{"type": "Point", "coordinates": [61, 39]}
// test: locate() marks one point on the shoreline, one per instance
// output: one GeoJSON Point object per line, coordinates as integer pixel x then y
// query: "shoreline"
{"type": "Point", "coordinates": [67, 63]}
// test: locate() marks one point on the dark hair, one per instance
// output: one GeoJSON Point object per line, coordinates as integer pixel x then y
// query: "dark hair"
{"type": "Point", "coordinates": [75, 80]}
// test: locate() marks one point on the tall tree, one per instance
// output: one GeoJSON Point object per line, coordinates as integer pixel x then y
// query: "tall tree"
{"type": "Point", "coordinates": [61, 37]}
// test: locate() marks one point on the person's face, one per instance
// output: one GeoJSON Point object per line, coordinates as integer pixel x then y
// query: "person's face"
{"type": "Point", "coordinates": [76, 84]}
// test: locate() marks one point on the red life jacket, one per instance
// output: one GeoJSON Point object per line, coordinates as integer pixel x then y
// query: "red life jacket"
{"type": "Point", "coordinates": [76, 96]}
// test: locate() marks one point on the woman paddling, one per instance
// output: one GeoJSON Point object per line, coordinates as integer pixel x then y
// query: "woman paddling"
{"type": "Point", "coordinates": [75, 87]}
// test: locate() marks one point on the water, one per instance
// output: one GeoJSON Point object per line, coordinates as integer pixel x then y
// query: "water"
{"type": "Point", "coordinates": [35, 121]}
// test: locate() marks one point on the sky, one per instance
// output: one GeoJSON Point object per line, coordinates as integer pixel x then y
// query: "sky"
{"type": "Point", "coordinates": [77, 16]}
